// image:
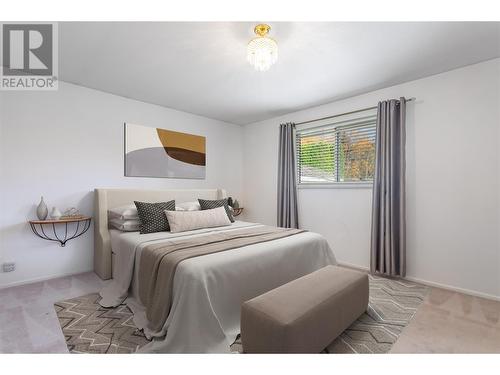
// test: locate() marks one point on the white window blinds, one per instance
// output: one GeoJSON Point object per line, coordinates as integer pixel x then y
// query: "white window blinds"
{"type": "Point", "coordinates": [336, 153]}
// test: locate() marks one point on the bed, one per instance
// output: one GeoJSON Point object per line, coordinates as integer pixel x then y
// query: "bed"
{"type": "Point", "coordinates": [207, 290]}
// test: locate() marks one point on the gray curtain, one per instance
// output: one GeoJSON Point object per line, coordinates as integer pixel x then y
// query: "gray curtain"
{"type": "Point", "coordinates": [388, 234]}
{"type": "Point", "coordinates": [287, 179]}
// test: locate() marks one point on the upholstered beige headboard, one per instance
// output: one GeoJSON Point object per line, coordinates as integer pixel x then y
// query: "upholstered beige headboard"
{"type": "Point", "coordinates": [110, 198]}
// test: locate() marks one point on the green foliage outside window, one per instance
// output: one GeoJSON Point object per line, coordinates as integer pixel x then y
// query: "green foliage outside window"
{"type": "Point", "coordinates": [356, 162]}
{"type": "Point", "coordinates": [310, 152]}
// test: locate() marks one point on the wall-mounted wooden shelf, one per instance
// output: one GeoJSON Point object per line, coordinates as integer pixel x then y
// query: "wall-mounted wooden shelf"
{"type": "Point", "coordinates": [237, 211]}
{"type": "Point", "coordinates": [46, 229]}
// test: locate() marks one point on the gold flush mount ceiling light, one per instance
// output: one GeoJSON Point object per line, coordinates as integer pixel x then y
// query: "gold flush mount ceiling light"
{"type": "Point", "coordinates": [262, 51]}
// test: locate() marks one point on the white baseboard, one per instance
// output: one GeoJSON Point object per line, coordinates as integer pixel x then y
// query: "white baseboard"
{"type": "Point", "coordinates": [454, 288]}
{"type": "Point", "coordinates": [355, 266]}
{"type": "Point", "coordinates": [345, 264]}
{"type": "Point", "coordinates": [40, 279]}
{"type": "Point", "coordinates": [431, 283]}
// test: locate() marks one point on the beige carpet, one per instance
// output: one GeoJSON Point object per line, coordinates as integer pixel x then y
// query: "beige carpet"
{"type": "Point", "coordinates": [90, 328]}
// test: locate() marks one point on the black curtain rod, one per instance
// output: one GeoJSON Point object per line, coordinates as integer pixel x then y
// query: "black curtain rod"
{"type": "Point", "coordinates": [343, 114]}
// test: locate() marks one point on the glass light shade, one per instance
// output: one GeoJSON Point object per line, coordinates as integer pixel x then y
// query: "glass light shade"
{"type": "Point", "coordinates": [262, 52]}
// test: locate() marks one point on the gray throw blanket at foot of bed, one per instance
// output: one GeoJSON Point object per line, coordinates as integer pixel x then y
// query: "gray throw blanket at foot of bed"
{"type": "Point", "coordinates": [159, 262]}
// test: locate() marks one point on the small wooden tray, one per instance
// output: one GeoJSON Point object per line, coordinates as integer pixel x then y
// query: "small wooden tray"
{"type": "Point", "coordinates": [67, 220]}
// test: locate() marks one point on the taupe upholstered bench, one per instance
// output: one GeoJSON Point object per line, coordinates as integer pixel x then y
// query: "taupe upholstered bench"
{"type": "Point", "coordinates": [305, 315]}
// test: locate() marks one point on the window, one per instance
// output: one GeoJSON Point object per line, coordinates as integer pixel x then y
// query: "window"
{"type": "Point", "coordinates": [343, 152]}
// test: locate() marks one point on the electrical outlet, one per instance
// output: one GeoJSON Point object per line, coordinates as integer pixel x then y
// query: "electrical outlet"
{"type": "Point", "coordinates": [8, 266]}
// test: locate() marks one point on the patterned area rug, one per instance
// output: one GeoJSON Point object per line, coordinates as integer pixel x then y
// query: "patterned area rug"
{"type": "Point", "coordinates": [392, 305]}
{"type": "Point", "coordinates": [90, 328]}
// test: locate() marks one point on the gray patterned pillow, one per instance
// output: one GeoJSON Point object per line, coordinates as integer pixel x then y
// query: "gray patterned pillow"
{"type": "Point", "coordinates": [209, 204]}
{"type": "Point", "coordinates": [152, 216]}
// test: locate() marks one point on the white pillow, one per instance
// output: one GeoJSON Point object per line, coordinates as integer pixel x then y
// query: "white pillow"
{"type": "Point", "coordinates": [181, 221]}
{"type": "Point", "coordinates": [188, 206]}
{"type": "Point", "coordinates": [128, 212]}
{"type": "Point", "coordinates": [125, 225]}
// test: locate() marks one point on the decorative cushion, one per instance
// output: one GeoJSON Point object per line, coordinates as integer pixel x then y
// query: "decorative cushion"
{"type": "Point", "coordinates": [125, 225]}
{"type": "Point", "coordinates": [128, 212]}
{"type": "Point", "coordinates": [210, 204]}
{"type": "Point", "coordinates": [152, 216]}
{"type": "Point", "coordinates": [181, 221]}
{"type": "Point", "coordinates": [188, 206]}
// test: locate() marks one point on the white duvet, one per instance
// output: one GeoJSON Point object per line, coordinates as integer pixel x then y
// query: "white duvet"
{"type": "Point", "coordinates": [209, 290]}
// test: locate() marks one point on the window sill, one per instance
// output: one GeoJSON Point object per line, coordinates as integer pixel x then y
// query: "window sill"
{"type": "Point", "coordinates": [337, 185]}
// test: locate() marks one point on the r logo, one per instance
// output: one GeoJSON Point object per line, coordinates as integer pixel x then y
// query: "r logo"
{"type": "Point", "coordinates": [27, 50]}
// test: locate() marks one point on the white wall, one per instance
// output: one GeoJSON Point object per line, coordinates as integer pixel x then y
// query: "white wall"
{"type": "Point", "coordinates": [453, 180]}
{"type": "Point", "coordinates": [62, 145]}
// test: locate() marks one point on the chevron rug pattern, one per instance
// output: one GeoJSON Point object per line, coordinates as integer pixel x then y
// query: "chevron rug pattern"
{"type": "Point", "coordinates": [392, 305]}
{"type": "Point", "coordinates": [90, 328]}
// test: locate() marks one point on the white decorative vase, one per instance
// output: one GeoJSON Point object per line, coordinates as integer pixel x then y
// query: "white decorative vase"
{"type": "Point", "coordinates": [55, 214]}
{"type": "Point", "coordinates": [42, 211]}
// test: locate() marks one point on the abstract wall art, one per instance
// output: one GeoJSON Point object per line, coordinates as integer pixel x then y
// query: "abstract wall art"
{"type": "Point", "coordinates": [154, 152]}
